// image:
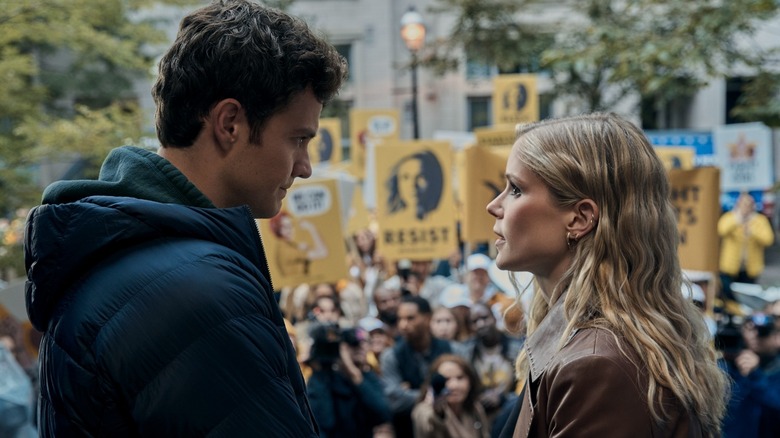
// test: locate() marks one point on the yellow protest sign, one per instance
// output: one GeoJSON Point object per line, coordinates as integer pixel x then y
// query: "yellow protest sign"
{"type": "Point", "coordinates": [480, 178]}
{"type": "Point", "coordinates": [359, 217]}
{"type": "Point", "coordinates": [325, 147]}
{"type": "Point", "coordinates": [369, 125]}
{"type": "Point", "coordinates": [415, 208]}
{"type": "Point", "coordinates": [342, 166]}
{"type": "Point", "coordinates": [304, 242]}
{"type": "Point", "coordinates": [515, 99]}
{"type": "Point", "coordinates": [695, 195]}
{"type": "Point", "coordinates": [495, 135]}
{"type": "Point", "coordinates": [676, 157]}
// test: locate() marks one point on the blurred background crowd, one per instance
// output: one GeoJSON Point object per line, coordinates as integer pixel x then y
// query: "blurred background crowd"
{"type": "Point", "coordinates": [426, 348]}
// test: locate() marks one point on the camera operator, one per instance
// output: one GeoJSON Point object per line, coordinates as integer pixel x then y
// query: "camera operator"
{"type": "Point", "coordinates": [754, 367]}
{"type": "Point", "coordinates": [346, 396]}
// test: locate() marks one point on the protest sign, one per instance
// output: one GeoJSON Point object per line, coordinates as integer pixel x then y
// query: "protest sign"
{"type": "Point", "coordinates": [304, 243]}
{"type": "Point", "coordinates": [695, 196]}
{"type": "Point", "coordinates": [414, 199]}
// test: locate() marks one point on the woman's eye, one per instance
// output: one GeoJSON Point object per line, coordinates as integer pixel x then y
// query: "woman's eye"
{"type": "Point", "coordinates": [514, 190]}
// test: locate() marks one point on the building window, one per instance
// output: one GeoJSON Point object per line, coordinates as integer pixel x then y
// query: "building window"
{"type": "Point", "coordinates": [476, 70]}
{"type": "Point", "coordinates": [479, 111]}
{"type": "Point", "coordinates": [345, 50]}
{"type": "Point", "coordinates": [339, 108]}
{"type": "Point", "coordinates": [734, 90]}
{"type": "Point", "coordinates": [545, 105]}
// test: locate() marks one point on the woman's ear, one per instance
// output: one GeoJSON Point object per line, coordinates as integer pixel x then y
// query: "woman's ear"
{"type": "Point", "coordinates": [584, 219]}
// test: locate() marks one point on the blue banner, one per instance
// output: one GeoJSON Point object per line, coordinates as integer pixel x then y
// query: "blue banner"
{"type": "Point", "coordinates": [701, 141]}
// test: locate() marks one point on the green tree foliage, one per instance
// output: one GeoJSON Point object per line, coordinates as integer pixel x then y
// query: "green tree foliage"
{"type": "Point", "coordinates": [662, 50]}
{"type": "Point", "coordinates": [760, 100]}
{"type": "Point", "coordinates": [606, 49]}
{"type": "Point", "coordinates": [489, 32]}
{"type": "Point", "coordinates": [67, 69]}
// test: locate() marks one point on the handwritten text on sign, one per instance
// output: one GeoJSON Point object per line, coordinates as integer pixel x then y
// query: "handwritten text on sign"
{"type": "Point", "coordinates": [310, 200]}
{"type": "Point", "coordinates": [695, 195]}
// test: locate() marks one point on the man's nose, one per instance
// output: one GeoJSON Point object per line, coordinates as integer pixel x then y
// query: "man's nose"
{"type": "Point", "coordinates": [303, 167]}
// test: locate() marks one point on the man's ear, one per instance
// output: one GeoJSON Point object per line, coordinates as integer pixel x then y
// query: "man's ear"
{"type": "Point", "coordinates": [228, 123]}
{"type": "Point", "coordinates": [584, 218]}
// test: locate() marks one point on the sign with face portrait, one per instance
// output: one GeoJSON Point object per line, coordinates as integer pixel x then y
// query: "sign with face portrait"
{"type": "Point", "coordinates": [304, 242]}
{"type": "Point", "coordinates": [480, 179]}
{"type": "Point", "coordinates": [325, 147]}
{"type": "Point", "coordinates": [696, 198]}
{"type": "Point", "coordinates": [495, 135]}
{"type": "Point", "coordinates": [515, 99]}
{"type": "Point", "coordinates": [415, 207]}
{"type": "Point", "coordinates": [370, 126]}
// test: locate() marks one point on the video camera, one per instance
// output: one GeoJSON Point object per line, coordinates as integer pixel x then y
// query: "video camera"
{"type": "Point", "coordinates": [729, 339]}
{"type": "Point", "coordinates": [439, 385]}
{"type": "Point", "coordinates": [763, 323]}
{"type": "Point", "coordinates": [326, 338]}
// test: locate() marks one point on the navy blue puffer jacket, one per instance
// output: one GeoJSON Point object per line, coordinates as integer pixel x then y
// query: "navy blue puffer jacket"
{"type": "Point", "coordinates": [159, 320]}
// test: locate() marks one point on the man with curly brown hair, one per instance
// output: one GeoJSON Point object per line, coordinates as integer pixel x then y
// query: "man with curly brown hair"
{"type": "Point", "coordinates": [151, 283]}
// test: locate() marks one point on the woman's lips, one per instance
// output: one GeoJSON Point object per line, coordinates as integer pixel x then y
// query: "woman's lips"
{"type": "Point", "coordinates": [500, 240]}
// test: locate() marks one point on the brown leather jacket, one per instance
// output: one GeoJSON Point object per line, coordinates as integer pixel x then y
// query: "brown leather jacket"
{"type": "Point", "coordinates": [590, 389]}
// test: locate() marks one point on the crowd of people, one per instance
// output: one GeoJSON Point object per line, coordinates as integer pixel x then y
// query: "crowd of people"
{"type": "Point", "coordinates": [159, 316]}
{"type": "Point", "coordinates": [452, 321]}
{"type": "Point", "coordinates": [379, 369]}
{"type": "Point", "coordinates": [465, 325]}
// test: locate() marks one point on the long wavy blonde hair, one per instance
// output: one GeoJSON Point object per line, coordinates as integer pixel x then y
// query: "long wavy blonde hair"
{"type": "Point", "coordinates": [625, 275]}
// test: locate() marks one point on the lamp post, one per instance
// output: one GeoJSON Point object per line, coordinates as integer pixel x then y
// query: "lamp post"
{"type": "Point", "coordinates": [413, 34]}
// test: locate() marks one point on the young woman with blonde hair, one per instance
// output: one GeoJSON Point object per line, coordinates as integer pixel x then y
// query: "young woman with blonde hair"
{"type": "Point", "coordinates": [613, 348]}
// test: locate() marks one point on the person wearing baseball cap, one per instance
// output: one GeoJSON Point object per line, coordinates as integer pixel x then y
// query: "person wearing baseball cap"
{"type": "Point", "coordinates": [481, 288]}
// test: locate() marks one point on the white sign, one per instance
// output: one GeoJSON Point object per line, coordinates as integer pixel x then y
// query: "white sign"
{"type": "Point", "coordinates": [381, 126]}
{"type": "Point", "coordinates": [309, 200]}
{"type": "Point", "coordinates": [744, 155]}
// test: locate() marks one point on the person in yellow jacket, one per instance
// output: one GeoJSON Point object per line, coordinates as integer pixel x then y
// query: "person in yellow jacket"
{"type": "Point", "coordinates": [744, 235]}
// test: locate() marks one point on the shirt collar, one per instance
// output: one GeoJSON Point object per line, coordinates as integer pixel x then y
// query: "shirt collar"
{"type": "Point", "coordinates": [542, 345]}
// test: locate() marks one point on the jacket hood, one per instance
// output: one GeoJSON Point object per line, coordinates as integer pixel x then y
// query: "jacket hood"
{"type": "Point", "coordinates": [64, 242]}
{"type": "Point", "coordinates": [133, 172]}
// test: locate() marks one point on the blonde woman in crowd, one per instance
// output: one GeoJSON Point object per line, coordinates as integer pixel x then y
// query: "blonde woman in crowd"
{"type": "Point", "coordinates": [613, 348]}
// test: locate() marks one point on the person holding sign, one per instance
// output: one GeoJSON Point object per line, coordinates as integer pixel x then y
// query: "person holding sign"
{"type": "Point", "coordinates": [612, 347]}
{"type": "Point", "coordinates": [744, 235]}
{"type": "Point", "coordinates": [151, 284]}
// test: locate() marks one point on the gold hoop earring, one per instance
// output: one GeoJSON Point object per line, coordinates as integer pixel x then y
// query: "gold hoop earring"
{"type": "Point", "coordinates": [570, 240]}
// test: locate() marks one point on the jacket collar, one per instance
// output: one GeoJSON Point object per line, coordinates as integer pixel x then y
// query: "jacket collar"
{"type": "Point", "coordinates": [542, 345]}
{"type": "Point", "coordinates": [132, 172]}
{"type": "Point", "coordinates": [64, 242]}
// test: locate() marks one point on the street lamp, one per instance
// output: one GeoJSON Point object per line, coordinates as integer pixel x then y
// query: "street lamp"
{"type": "Point", "coordinates": [413, 34]}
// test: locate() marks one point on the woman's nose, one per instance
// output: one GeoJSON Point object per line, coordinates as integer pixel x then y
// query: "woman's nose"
{"type": "Point", "coordinates": [494, 206]}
